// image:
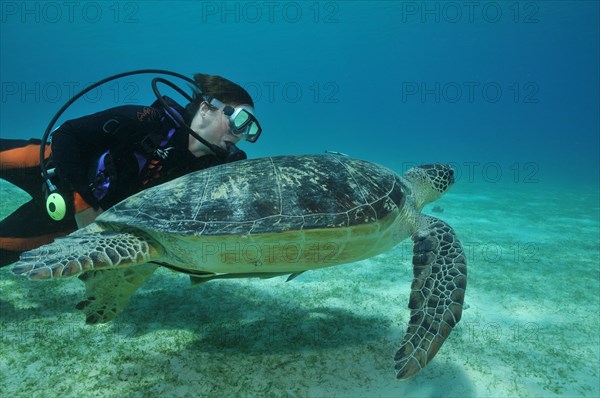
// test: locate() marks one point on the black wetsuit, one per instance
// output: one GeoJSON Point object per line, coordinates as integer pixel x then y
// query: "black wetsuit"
{"type": "Point", "coordinates": [139, 147]}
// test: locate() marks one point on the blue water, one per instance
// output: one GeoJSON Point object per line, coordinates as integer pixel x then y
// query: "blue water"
{"type": "Point", "coordinates": [501, 82]}
{"type": "Point", "coordinates": [506, 91]}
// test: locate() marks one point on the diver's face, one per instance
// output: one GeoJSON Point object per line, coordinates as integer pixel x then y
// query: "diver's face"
{"type": "Point", "coordinates": [212, 125]}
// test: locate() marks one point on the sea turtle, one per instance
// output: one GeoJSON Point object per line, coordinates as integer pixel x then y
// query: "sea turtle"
{"type": "Point", "coordinates": [267, 217]}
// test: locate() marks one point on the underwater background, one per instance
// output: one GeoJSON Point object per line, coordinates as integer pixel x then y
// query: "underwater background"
{"type": "Point", "coordinates": [505, 91]}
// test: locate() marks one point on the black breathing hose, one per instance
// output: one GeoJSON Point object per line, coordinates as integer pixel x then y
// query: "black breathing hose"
{"type": "Point", "coordinates": [219, 152]}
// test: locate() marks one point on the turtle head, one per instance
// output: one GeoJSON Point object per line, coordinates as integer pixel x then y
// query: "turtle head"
{"type": "Point", "coordinates": [430, 181]}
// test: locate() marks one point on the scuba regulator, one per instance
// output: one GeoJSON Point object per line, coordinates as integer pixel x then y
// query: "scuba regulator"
{"type": "Point", "coordinates": [56, 204]}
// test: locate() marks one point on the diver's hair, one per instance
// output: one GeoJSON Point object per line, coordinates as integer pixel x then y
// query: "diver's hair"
{"type": "Point", "coordinates": [220, 88]}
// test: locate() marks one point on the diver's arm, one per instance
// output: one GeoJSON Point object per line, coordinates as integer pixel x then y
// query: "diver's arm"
{"type": "Point", "coordinates": [79, 142]}
{"type": "Point", "coordinates": [74, 144]}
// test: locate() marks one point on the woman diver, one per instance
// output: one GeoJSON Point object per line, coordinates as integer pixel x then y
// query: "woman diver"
{"type": "Point", "coordinates": [100, 159]}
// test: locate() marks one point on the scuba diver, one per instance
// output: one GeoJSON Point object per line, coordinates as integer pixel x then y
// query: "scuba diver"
{"type": "Point", "coordinates": [98, 160]}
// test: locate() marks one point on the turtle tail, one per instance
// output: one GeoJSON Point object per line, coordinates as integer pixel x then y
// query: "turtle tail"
{"type": "Point", "coordinates": [85, 250]}
{"type": "Point", "coordinates": [437, 294]}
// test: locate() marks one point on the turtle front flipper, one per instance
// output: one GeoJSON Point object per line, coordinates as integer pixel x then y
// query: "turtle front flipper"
{"type": "Point", "coordinates": [109, 291]}
{"type": "Point", "coordinates": [437, 294]}
{"type": "Point", "coordinates": [83, 251]}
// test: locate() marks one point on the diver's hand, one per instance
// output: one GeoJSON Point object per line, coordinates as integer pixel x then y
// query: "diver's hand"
{"type": "Point", "coordinates": [234, 153]}
{"type": "Point", "coordinates": [87, 216]}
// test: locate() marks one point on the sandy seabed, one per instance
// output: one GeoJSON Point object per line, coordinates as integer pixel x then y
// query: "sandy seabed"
{"type": "Point", "coordinates": [531, 326]}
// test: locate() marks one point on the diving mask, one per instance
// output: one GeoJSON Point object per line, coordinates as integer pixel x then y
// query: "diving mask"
{"type": "Point", "coordinates": [242, 121]}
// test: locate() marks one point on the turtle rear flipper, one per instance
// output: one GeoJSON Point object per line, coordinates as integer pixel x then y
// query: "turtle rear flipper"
{"type": "Point", "coordinates": [82, 251]}
{"type": "Point", "coordinates": [109, 291]}
{"type": "Point", "coordinates": [437, 294]}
